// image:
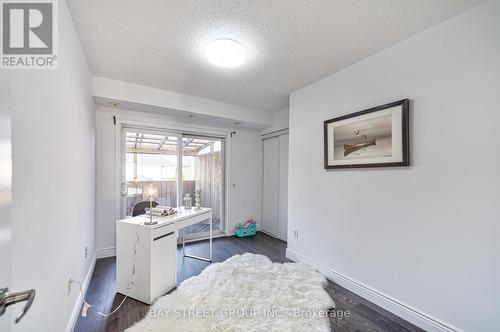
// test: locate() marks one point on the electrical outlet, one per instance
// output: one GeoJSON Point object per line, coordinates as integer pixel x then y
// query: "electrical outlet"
{"type": "Point", "coordinates": [86, 251]}
{"type": "Point", "coordinates": [296, 234]}
{"type": "Point", "coordinates": [68, 284]}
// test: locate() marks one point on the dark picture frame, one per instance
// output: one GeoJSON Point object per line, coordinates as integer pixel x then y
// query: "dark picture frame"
{"type": "Point", "coordinates": [375, 137]}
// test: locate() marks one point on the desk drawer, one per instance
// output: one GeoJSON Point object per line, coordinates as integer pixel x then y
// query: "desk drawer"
{"type": "Point", "coordinates": [163, 230]}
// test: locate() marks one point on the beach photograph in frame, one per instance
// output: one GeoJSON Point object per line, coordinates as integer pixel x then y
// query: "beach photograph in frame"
{"type": "Point", "coordinates": [376, 137]}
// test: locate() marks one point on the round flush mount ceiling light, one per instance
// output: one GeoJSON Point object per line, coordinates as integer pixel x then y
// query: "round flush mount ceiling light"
{"type": "Point", "coordinates": [226, 53]}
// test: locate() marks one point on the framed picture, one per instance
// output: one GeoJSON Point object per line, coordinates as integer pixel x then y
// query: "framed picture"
{"type": "Point", "coordinates": [376, 137]}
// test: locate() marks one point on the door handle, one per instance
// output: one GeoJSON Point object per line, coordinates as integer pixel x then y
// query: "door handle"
{"type": "Point", "coordinates": [7, 299]}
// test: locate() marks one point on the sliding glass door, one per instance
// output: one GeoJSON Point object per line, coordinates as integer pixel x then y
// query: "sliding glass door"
{"type": "Point", "coordinates": [159, 159]}
{"type": "Point", "coordinates": [203, 171]}
{"type": "Point", "coordinates": [150, 160]}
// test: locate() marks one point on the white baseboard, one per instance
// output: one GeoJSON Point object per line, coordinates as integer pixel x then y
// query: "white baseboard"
{"type": "Point", "coordinates": [405, 311]}
{"type": "Point", "coordinates": [76, 310]}
{"type": "Point", "coordinates": [106, 252]}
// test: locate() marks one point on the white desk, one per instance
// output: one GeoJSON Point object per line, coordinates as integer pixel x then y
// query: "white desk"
{"type": "Point", "coordinates": [146, 264]}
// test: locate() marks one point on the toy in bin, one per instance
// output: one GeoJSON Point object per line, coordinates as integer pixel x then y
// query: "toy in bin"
{"type": "Point", "coordinates": [249, 228]}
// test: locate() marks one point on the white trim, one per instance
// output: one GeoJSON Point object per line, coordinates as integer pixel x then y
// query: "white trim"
{"type": "Point", "coordinates": [275, 133]}
{"type": "Point", "coordinates": [227, 185]}
{"type": "Point", "coordinates": [397, 307]}
{"type": "Point", "coordinates": [106, 252]}
{"type": "Point", "coordinates": [260, 225]}
{"type": "Point", "coordinates": [272, 235]}
{"type": "Point", "coordinates": [172, 126]}
{"type": "Point", "coordinates": [174, 129]}
{"type": "Point", "coordinates": [76, 309]}
{"type": "Point", "coordinates": [179, 181]}
{"type": "Point", "coordinates": [118, 170]}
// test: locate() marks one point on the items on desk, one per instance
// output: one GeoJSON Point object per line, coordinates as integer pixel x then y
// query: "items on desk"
{"type": "Point", "coordinates": [249, 228]}
{"type": "Point", "coordinates": [152, 192]}
{"type": "Point", "coordinates": [187, 201]}
{"type": "Point", "coordinates": [160, 211]}
{"type": "Point", "coordinates": [197, 199]}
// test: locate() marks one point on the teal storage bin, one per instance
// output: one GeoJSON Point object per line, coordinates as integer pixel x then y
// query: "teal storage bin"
{"type": "Point", "coordinates": [245, 231]}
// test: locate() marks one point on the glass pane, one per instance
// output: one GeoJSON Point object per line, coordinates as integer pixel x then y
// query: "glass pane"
{"type": "Point", "coordinates": [150, 160]}
{"type": "Point", "coordinates": [202, 169]}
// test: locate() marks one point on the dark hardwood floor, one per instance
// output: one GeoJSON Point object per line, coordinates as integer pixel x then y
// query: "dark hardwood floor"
{"type": "Point", "coordinates": [364, 315]}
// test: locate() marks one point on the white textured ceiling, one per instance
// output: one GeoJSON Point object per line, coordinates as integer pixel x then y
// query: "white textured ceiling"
{"type": "Point", "coordinates": [290, 43]}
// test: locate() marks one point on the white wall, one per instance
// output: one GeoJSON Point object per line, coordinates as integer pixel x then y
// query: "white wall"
{"type": "Point", "coordinates": [428, 235]}
{"type": "Point", "coordinates": [280, 122]}
{"type": "Point", "coordinates": [53, 124]}
{"type": "Point", "coordinates": [245, 171]}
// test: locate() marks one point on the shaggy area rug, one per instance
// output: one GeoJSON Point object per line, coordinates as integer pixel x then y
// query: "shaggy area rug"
{"type": "Point", "coordinates": [244, 293]}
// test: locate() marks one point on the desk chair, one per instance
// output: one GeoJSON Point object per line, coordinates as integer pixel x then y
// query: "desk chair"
{"type": "Point", "coordinates": [139, 208]}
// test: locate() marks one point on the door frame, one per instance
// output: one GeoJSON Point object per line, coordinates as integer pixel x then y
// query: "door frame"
{"type": "Point", "coordinates": [6, 239]}
{"type": "Point", "coordinates": [174, 129]}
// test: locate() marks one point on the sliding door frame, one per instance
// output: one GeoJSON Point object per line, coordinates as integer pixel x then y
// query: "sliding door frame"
{"type": "Point", "coordinates": [223, 184]}
{"type": "Point", "coordinates": [173, 129]}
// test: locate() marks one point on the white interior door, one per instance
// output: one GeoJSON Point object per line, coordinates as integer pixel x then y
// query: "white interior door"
{"type": "Point", "coordinates": [283, 187]}
{"type": "Point", "coordinates": [270, 203]}
{"type": "Point", "coordinates": [8, 297]}
{"type": "Point", "coordinates": [5, 201]}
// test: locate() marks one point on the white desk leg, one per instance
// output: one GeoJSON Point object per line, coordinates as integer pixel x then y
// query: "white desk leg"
{"type": "Point", "coordinates": [210, 247]}
{"type": "Point", "coordinates": [184, 241]}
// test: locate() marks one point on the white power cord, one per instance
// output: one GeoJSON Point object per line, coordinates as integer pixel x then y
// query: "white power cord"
{"type": "Point", "coordinates": [130, 285]}
{"type": "Point", "coordinates": [86, 305]}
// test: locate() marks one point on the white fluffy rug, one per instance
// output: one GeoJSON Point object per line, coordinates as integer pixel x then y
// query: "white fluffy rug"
{"type": "Point", "coordinates": [244, 293]}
